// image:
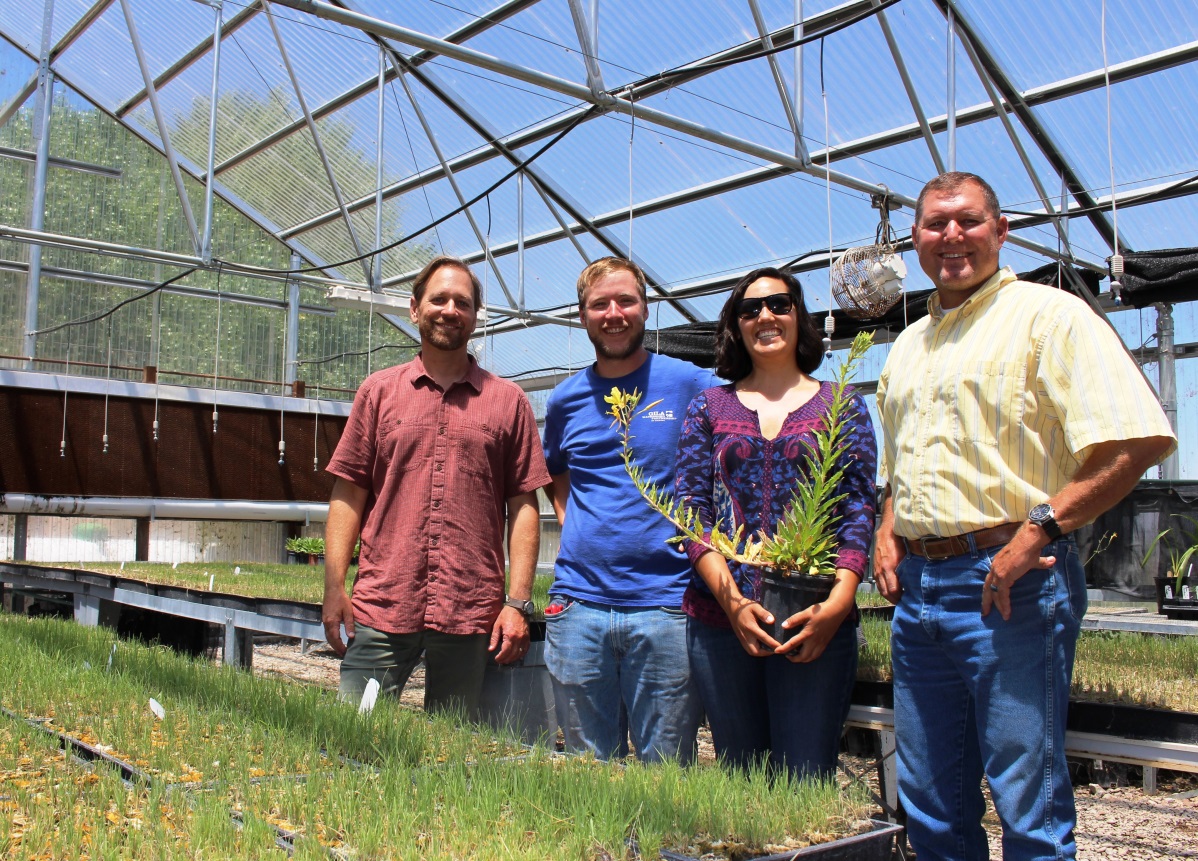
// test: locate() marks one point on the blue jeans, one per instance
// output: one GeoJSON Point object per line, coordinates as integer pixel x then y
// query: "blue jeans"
{"type": "Point", "coordinates": [616, 670]}
{"type": "Point", "coordinates": [974, 694]}
{"type": "Point", "coordinates": [771, 710]}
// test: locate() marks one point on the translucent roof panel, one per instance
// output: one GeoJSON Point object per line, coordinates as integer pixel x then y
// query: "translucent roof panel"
{"type": "Point", "coordinates": [698, 172]}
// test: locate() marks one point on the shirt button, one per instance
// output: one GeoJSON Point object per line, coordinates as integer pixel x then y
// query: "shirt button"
{"type": "Point", "coordinates": [436, 503]}
{"type": "Point", "coordinates": [441, 431]}
{"type": "Point", "coordinates": [437, 466]}
{"type": "Point", "coordinates": [432, 542]}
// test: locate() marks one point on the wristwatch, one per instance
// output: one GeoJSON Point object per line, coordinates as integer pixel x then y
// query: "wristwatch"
{"type": "Point", "coordinates": [1043, 516]}
{"type": "Point", "coordinates": [524, 606]}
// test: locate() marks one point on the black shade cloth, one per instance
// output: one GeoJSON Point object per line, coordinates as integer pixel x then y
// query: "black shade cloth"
{"type": "Point", "coordinates": [695, 342]}
{"type": "Point", "coordinates": [1169, 275]}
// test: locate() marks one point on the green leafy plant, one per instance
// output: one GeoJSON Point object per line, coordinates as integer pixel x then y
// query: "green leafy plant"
{"type": "Point", "coordinates": [1180, 553]}
{"type": "Point", "coordinates": [804, 541]}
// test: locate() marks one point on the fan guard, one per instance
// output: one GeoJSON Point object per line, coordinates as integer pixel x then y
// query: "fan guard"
{"type": "Point", "coordinates": [867, 280]}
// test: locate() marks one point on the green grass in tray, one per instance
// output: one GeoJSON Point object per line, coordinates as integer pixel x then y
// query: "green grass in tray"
{"type": "Point", "coordinates": [393, 784]}
{"type": "Point", "coordinates": [1111, 666]}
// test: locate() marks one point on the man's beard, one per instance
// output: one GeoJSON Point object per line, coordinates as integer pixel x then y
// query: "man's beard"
{"type": "Point", "coordinates": [442, 339]}
{"type": "Point", "coordinates": [608, 351]}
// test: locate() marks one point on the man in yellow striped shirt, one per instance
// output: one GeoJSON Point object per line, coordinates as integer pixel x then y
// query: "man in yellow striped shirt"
{"type": "Point", "coordinates": [1012, 415]}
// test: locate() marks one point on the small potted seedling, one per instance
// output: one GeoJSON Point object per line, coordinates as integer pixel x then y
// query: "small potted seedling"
{"type": "Point", "coordinates": [798, 559]}
{"type": "Point", "coordinates": [1177, 590]}
{"type": "Point", "coordinates": [295, 550]}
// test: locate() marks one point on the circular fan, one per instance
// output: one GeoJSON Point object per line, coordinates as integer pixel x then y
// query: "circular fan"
{"type": "Point", "coordinates": [867, 281]}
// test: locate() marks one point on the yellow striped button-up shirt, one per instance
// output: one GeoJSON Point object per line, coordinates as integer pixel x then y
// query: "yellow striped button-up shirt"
{"type": "Point", "coordinates": [990, 408]}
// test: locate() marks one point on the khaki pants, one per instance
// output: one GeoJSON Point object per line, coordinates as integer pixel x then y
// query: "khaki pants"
{"type": "Point", "coordinates": [453, 666]}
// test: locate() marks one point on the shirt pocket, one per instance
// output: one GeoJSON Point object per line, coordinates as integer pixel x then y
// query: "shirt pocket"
{"type": "Point", "coordinates": [480, 450]}
{"type": "Point", "coordinates": [404, 440]}
{"type": "Point", "coordinates": [986, 401]}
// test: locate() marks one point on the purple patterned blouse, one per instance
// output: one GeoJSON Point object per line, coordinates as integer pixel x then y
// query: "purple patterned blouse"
{"type": "Point", "coordinates": [729, 472]}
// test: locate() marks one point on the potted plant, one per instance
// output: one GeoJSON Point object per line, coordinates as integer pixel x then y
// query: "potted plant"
{"type": "Point", "coordinates": [799, 558]}
{"type": "Point", "coordinates": [1177, 590]}
{"type": "Point", "coordinates": [294, 547]}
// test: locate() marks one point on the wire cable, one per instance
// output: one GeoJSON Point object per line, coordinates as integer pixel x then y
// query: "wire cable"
{"type": "Point", "coordinates": [578, 120]}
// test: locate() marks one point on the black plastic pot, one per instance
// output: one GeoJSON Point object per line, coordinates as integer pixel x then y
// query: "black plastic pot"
{"type": "Point", "coordinates": [874, 845]}
{"type": "Point", "coordinates": [784, 596]}
{"type": "Point", "coordinates": [1172, 605]}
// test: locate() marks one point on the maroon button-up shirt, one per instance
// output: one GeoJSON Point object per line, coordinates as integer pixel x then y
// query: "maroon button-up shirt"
{"type": "Point", "coordinates": [439, 467]}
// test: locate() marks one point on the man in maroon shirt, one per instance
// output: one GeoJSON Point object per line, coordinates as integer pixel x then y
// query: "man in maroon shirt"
{"type": "Point", "coordinates": [436, 456]}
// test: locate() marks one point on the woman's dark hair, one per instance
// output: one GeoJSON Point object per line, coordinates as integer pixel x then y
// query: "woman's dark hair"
{"type": "Point", "coordinates": [732, 360]}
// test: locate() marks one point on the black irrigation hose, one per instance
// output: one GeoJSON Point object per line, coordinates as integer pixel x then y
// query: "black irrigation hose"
{"type": "Point", "coordinates": [118, 305]}
{"type": "Point", "coordinates": [681, 71]}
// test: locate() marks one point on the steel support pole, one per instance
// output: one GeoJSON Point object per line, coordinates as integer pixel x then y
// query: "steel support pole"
{"type": "Point", "coordinates": [206, 244]}
{"type": "Point", "coordinates": [801, 145]}
{"type": "Point", "coordinates": [912, 95]}
{"type": "Point", "coordinates": [451, 177]}
{"type": "Point", "coordinates": [520, 241]}
{"type": "Point", "coordinates": [320, 150]}
{"type": "Point", "coordinates": [37, 206]}
{"type": "Point", "coordinates": [376, 262]}
{"type": "Point", "coordinates": [163, 133]}
{"type": "Point", "coordinates": [291, 357]}
{"type": "Point", "coordinates": [776, 71]}
{"type": "Point", "coordinates": [951, 96]}
{"type": "Point", "coordinates": [585, 29]}
{"type": "Point", "coordinates": [1167, 384]}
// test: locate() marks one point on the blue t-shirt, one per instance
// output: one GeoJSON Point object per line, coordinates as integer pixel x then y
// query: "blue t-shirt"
{"type": "Point", "coordinates": [613, 547]}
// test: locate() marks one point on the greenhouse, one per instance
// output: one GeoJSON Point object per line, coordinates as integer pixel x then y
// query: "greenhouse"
{"type": "Point", "coordinates": [215, 222]}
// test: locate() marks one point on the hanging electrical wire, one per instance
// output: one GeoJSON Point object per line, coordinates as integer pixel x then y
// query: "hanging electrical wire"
{"type": "Point", "coordinates": [216, 353]}
{"type": "Point", "coordinates": [107, 387]}
{"type": "Point", "coordinates": [62, 443]}
{"type": "Point", "coordinates": [829, 321]}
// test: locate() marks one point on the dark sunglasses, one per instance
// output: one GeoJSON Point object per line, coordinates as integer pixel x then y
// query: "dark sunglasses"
{"type": "Point", "coordinates": [778, 303]}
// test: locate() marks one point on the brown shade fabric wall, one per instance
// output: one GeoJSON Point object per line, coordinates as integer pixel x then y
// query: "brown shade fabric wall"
{"type": "Point", "coordinates": [188, 461]}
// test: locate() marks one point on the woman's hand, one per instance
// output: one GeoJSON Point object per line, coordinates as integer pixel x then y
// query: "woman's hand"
{"type": "Point", "coordinates": [745, 616]}
{"type": "Point", "coordinates": [819, 623]}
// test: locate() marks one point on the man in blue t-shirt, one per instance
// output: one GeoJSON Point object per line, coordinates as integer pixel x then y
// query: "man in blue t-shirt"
{"type": "Point", "coordinates": [616, 639]}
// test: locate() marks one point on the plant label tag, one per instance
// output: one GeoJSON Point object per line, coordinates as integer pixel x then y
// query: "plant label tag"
{"type": "Point", "coordinates": [174, 566]}
{"type": "Point", "coordinates": [157, 709]}
{"type": "Point", "coordinates": [1186, 593]}
{"type": "Point", "coordinates": [237, 569]}
{"type": "Point", "coordinates": [211, 580]}
{"type": "Point", "coordinates": [1169, 591]}
{"type": "Point", "coordinates": [369, 697]}
{"type": "Point", "coordinates": [111, 655]}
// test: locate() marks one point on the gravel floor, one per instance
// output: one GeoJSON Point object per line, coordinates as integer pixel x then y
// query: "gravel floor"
{"type": "Point", "coordinates": [1114, 821]}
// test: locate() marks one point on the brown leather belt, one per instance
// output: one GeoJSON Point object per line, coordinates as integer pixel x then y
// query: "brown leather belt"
{"type": "Point", "coordinates": [938, 549]}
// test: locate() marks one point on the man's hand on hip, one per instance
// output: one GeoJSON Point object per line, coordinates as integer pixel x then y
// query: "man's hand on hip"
{"type": "Point", "coordinates": [337, 611]}
{"type": "Point", "coordinates": [1021, 555]}
{"type": "Point", "coordinates": [509, 636]}
{"type": "Point", "coordinates": [889, 551]}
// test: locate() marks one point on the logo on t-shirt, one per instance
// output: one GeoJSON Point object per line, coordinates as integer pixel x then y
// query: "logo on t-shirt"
{"type": "Point", "coordinates": [660, 415]}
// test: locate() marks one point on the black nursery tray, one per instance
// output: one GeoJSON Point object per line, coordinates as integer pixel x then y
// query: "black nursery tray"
{"type": "Point", "coordinates": [874, 845]}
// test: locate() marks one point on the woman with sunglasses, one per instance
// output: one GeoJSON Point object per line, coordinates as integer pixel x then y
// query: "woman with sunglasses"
{"type": "Point", "coordinates": [743, 448]}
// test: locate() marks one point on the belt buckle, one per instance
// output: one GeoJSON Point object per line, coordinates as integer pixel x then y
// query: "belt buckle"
{"type": "Point", "coordinates": [929, 555]}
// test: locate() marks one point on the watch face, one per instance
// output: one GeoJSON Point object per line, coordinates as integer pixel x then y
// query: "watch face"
{"type": "Point", "coordinates": [1040, 513]}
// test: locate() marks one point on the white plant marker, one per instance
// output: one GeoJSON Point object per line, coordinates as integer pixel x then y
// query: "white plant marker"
{"type": "Point", "coordinates": [236, 569]}
{"type": "Point", "coordinates": [211, 580]}
{"type": "Point", "coordinates": [369, 697]}
{"type": "Point", "coordinates": [111, 655]}
{"type": "Point", "coordinates": [174, 565]}
{"type": "Point", "coordinates": [157, 709]}
{"type": "Point", "coordinates": [122, 566]}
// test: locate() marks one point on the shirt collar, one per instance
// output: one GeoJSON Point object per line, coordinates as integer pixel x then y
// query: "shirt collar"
{"type": "Point", "coordinates": [1005, 275]}
{"type": "Point", "coordinates": [473, 378]}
